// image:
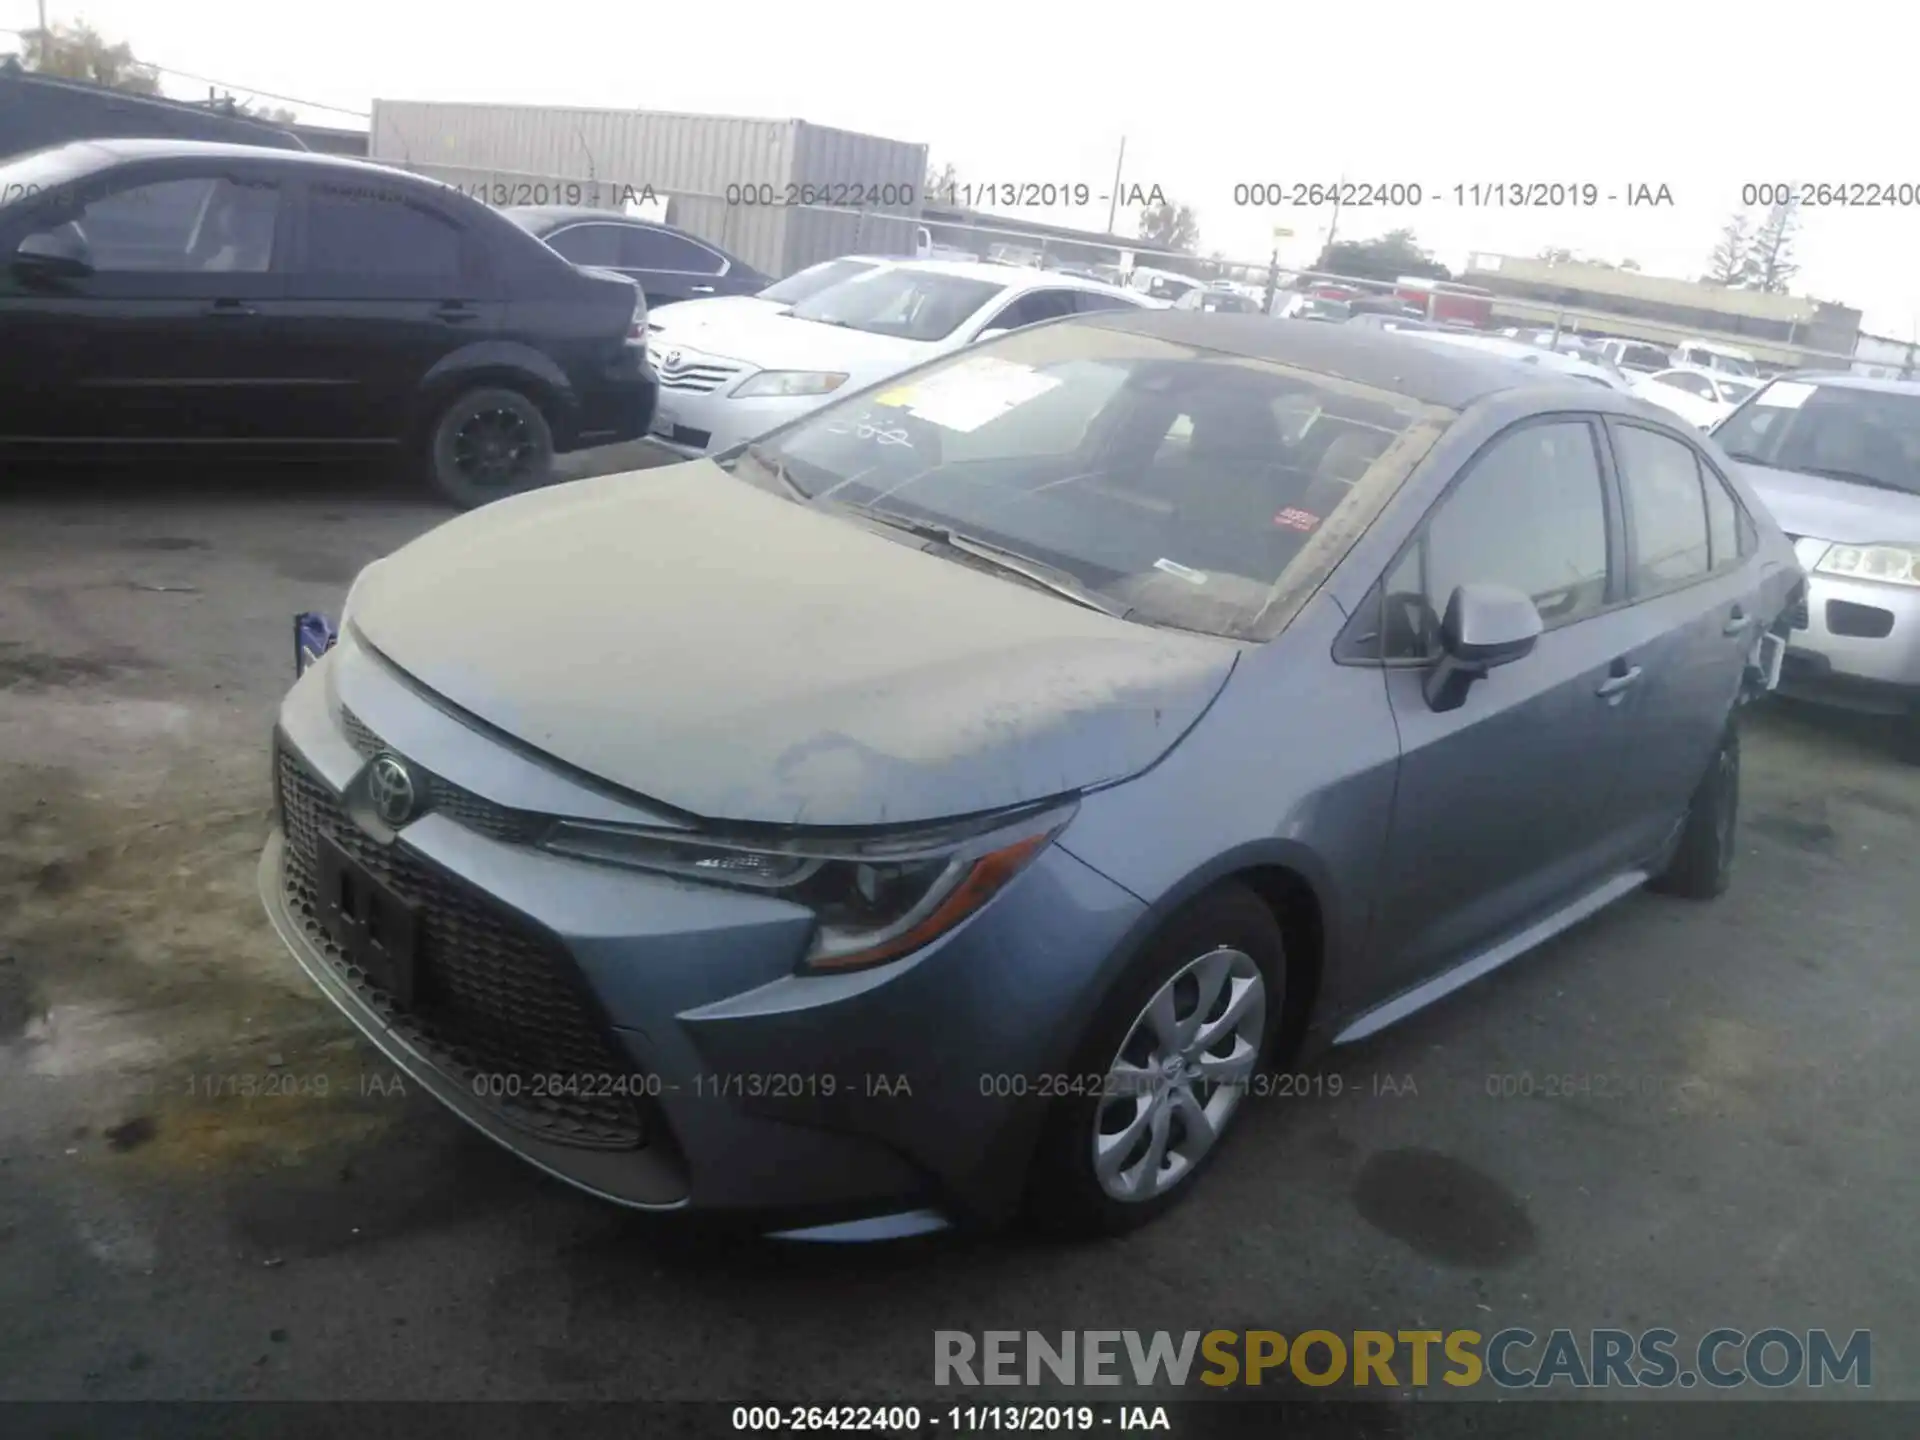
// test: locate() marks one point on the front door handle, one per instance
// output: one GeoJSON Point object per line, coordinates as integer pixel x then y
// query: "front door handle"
{"type": "Point", "coordinates": [1736, 622]}
{"type": "Point", "coordinates": [231, 308]}
{"type": "Point", "coordinates": [1615, 684]}
{"type": "Point", "coordinates": [699, 289]}
{"type": "Point", "coordinates": [455, 313]}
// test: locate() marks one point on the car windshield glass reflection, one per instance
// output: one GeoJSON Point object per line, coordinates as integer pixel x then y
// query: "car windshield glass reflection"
{"type": "Point", "coordinates": [910, 304]}
{"type": "Point", "coordinates": [814, 279]}
{"type": "Point", "coordinates": [1183, 485]}
{"type": "Point", "coordinates": [1872, 436]}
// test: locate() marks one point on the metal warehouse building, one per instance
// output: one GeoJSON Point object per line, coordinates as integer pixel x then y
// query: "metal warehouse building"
{"type": "Point", "coordinates": [724, 178]}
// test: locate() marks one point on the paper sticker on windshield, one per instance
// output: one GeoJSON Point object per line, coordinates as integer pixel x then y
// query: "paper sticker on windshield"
{"type": "Point", "coordinates": [1293, 519]}
{"type": "Point", "coordinates": [1173, 567]}
{"type": "Point", "coordinates": [1784, 394]}
{"type": "Point", "coordinates": [899, 397]}
{"type": "Point", "coordinates": [972, 393]}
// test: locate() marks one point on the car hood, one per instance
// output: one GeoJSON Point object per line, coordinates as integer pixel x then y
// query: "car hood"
{"type": "Point", "coordinates": [684, 318]}
{"type": "Point", "coordinates": [728, 652]}
{"type": "Point", "coordinates": [1837, 510]}
{"type": "Point", "coordinates": [775, 340]}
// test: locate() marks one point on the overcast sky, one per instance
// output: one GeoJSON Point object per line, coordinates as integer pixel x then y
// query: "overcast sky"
{"type": "Point", "coordinates": [1701, 99]}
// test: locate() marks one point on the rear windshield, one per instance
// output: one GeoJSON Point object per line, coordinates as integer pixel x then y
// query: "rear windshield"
{"type": "Point", "coordinates": [1871, 437]}
{"type": "Point", "coordinates": [815, 278]}
{"type": "Point", "coordinates": [909, 304]}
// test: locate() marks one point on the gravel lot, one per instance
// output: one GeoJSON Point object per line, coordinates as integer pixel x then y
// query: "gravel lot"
{"type": "Point", "coordinates": [1743, 1154]}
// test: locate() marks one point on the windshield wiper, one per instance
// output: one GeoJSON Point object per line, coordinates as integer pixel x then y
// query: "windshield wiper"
{"type": "Point", "coordinates": [1048, 577]}
{"type": "Point", "coordinates": [778, 469]}
{"type": "Point", "coordinates": [1746, 457]}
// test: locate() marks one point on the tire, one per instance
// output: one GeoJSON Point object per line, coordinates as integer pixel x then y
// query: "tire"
{"type": "Point", "coordinates": [1702, 863]}
{"type": "Point", "coordinates": [486, 444]}
{"type": "Point", "coordinates": [1228, 936]}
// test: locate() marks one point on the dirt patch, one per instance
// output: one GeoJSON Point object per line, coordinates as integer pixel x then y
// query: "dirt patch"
{"type": "Point", "coordinates": [21, 668]}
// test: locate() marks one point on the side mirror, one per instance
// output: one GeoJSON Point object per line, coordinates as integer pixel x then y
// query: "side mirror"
{"type": "Point", "coordinates": [59, 253]}
{"type": "Point", "coordinates": [993, 334]}
{"type": "Point", "coordinates": [1485, 626]}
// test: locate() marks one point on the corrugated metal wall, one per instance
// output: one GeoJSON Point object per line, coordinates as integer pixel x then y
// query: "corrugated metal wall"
{"type": "Point", "coordinates": [700, 161]}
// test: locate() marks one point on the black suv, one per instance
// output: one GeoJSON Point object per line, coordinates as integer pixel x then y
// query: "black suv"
{"type": "Point", "coordinates": [179, 292]}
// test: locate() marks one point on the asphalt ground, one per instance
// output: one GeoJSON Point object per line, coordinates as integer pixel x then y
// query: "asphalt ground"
{"type": "Point", "coordinates": [1676, 1115]}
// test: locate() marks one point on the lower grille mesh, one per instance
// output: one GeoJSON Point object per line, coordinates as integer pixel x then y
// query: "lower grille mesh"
{"type": "Point", "coordinates": [497, 1008]}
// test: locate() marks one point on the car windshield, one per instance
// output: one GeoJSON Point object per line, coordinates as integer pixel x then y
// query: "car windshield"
{"type": "Point", "coordinates": [1176, 485]}
{"type": "Point", "coordinates": [1734, 391]}
{"type": "Point", "coordinates": [908, 303]}
{"type": "Point", "coordinates": [815, 278]}
{"type": "Point", "coordinates": [1871, 436]}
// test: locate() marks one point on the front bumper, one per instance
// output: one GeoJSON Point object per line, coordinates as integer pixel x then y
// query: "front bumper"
{"type": "Point", "coordinates": [755, 1092]}
{"type": "Point", "coordinates": [1859, 646]}
{"type": "Point", "coordinates": [694, 423]}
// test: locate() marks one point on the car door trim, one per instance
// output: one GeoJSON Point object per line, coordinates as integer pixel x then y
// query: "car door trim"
{"type": "Point", "coordinates": [1437, 987]}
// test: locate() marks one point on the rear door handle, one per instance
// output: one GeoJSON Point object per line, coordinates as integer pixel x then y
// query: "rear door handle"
{"type": "Point", "coordinates": [1615, 684]}
{"type": "Point", "coordinates": [231, 308]}
{"type": "Point", "coordinates": [699, 289]}
{"type": "Point", "coordinates": [1736, 622]}
{"type": "Point", "coordinates": [454, 312]}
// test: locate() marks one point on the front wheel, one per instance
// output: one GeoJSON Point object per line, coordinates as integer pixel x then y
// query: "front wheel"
{"type": "Point", "coordinates": [1174, 1051]}
{"type": "Point", "coordinates": [1702, 863]}
{"type": "Point", "coordinates": [486, 444]}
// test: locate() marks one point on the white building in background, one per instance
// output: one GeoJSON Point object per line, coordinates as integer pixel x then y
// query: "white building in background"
{"type": "Point", "coordinates": [1885, 358]}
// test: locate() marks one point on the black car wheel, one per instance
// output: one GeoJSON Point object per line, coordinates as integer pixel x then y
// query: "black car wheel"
{"type": "Point", "coordinates": [1162, 1073]}
{"type": "Point", "coordinates": [487, 444]}
{"type": "Point", "coordinates": [1702, 863]}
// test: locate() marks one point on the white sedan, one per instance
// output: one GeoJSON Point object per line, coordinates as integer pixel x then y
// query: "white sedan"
{"type": "Point", "coordinates": [684, 316]}
{"type": "Point", "coordinates": [743, 372]}
{"type": "Point", "coordinates": [1523, 353]}
{"type": "Point", "coordinates": [1697, 395]}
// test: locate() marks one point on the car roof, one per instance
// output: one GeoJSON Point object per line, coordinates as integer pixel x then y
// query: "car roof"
{"type": "Point", "coordinates": [1450, 376]}
{"type": "Point", "coordinates": [161, 149]}
{"type": "Point", "coordinates": [1843, 380]}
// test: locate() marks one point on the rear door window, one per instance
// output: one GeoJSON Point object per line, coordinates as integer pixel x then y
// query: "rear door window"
{"type": "Point", "coordinates": [364, 239]}
{"type": "Point", "coordinates": [1666, 509]}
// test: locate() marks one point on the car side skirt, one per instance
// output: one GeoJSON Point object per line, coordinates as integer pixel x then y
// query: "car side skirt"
{"type": "Point", "coordinates": [1409, 1002]}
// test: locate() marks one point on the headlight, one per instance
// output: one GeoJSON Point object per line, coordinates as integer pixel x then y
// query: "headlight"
{"type": "Point", "coordinates": [1892, 564]}
{"type": "Point", "coordinates": [789, 382]}
{"type": "Point", "coordinates": [875, 900]}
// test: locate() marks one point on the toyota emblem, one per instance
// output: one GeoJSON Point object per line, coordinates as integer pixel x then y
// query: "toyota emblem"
{"type": "Point", "coordinates": [673, 360]}
{"type": "Point", "coordinates": [391, 789]}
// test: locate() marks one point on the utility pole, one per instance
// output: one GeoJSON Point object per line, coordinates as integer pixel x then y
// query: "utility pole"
{"type": "Point", "coordinates": [1333, 225]}
{"type": "Point", "coordinates": [1113, 208]}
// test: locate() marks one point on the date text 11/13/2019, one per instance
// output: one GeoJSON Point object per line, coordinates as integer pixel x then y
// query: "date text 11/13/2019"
{"type": "Point", "coordinates": [1474, 195]}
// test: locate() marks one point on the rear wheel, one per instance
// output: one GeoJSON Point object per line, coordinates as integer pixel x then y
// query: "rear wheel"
{"type": "Point", "coordinates": [1702, 863]}
{"type": "Point", "coordinates": [486, 444]}
{"type": "Point", "coordinates": [1168, 1063]}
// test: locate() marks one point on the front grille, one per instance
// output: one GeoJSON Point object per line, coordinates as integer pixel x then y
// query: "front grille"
{"type": "Point", "coordinates": [498, 1007]}
{"type": "Point", "coordinates": [701, 379]}
{"type": "Point", "coordinates": [462, 806]}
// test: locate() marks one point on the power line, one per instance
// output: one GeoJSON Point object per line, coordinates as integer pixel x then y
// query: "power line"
{"type": "Point", "coordinates": [229, 85]}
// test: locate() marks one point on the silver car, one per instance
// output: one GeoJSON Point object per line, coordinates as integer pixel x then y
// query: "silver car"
{"type": "Point", "coordinates": [941, 806]}
{"type": "Point", "coordinates": [1836, 458]}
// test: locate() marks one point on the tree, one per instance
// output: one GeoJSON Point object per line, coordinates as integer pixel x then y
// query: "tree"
{"type": "Point", "coordinates": [80, 52]}
{"type": "Point", "coordinates": [1386, 257]}
{"type": "Point", "coordinates": [1169, 226]}
{"type": "Point", "coordinates": [1728, 263]}
{"type": "Point", "coordinates": [1770, 265]}
{"type": "Point", "coordinates": [272, 114]}
{"type": "Point", "coordinates": [1629, 264]}
{"type": "Point", "coordinates": [941, 185]}
{"type": "Point", "coordinates": [1557, 255]}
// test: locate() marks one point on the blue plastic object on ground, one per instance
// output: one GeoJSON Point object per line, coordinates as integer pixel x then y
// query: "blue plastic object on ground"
{"type": "Point", "coordinates": [313, 636]}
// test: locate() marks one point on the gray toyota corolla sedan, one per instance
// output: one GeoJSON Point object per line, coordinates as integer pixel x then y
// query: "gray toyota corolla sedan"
{"type": "Point", "coordinates": [940, 808]}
